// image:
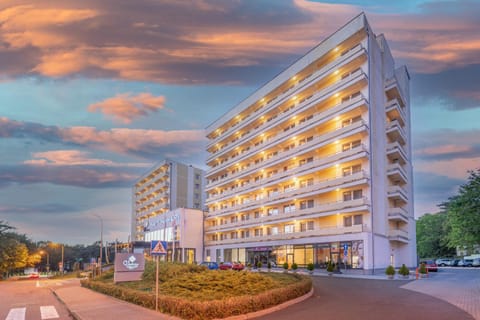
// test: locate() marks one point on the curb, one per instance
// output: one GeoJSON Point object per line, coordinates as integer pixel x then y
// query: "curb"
{"type": "Point", "coordinates": [73, 314]}
{"type": "Point", "coordinates": [263, 312]}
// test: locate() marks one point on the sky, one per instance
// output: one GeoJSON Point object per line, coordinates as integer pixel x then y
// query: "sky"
{"type": "Point", "coordinates": [94, 93]}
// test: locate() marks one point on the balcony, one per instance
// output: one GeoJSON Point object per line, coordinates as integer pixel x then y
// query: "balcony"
{"type": "Point", "coordinates": [356, 53]}
{"type": "Point", "coordinates": [398, 235]}
{"type": "Point", "coordinates": [397, 193]}
{"type": "Point", "coordinates": [320, 232]}
{"type": "Point", "coordinates": [397, 173]}
{"type": "Point", "coordinates": [395, 132]}
{"type": "Point", "coordinates": [393, 90]}
{"type": "Point", "coordinates": [395, 152]}
{"type": "Point", "coordinates": [317, 211]}
{"type": "Point", "coordinates": [398, 215]}
{"type": "Point", "coordinates": [394, 111]}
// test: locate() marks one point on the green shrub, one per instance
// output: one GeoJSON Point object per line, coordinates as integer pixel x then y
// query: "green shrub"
{"type": "Point", "coordinates": [285, 265]}
{"type": "Point", "coordinates": [423, 269]}
{"type": "Point", "coordinates": [330, 266]}
{"type": "Point", "coordinates": [259, 264]}
{"type": "Point", "coordinates": [390, 271]}
{"type": "Point", "coordinates": [269, 265]}
{"type": "Point", "coordinates": [188, 308]}
{"type": "Point", "coordinates": [404, 271]}
{"type": "Point", "coordinates": [310, 266]}
{"type": "Point", "coordinates": [294, 266]}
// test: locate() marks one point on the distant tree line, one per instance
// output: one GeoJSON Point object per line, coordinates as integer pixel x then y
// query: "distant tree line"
{"type": "Point", "coordinates": [456, 225]}
{"type": "Point", "coordinates": [18, 252]}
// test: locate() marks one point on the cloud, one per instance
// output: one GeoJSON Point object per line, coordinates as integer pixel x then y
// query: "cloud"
{"type": "Point", "coordinates": [447, 152]}
{"type": "Point", "coordinates": [229, 42]}
{"type": "Point", "coordinates": [87, 177]}
{"type": "Point", "coordinates": [48, 208]}
{"type": "Point", "coordinates": [150, 144]}
{"type": "Point", "coordinates": [126, 107]}
{"type": "Point", "coordinates": [75, 158]}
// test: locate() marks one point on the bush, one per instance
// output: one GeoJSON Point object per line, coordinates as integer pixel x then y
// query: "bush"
{"type": "Point", "coordinates": [310, 266]}
{"type": "Point", "coordinates": [423, 269]}
{"type": "Point", "coordinates": [194, 309]}
{"type": "Point", "coordinates": [390, 271]}
{"type": "Point", "coordinates": [285, 265]}
{"type": "Point", "coordinates": [294, 266]}
{"type": "Point", "coordinates": [259, 264]}
{"type": "Point", "coordinates": [269, 265]}
{"type": "Point", "coordinates": [404, 271]}
{"type": "Point", "coordinates": [330, 266]}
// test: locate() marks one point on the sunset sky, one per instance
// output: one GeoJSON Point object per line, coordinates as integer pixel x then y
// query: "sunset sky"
{"type": "Point", "coordinates": [93, 93]}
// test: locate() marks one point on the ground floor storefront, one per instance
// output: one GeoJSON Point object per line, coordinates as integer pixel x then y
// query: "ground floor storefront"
{"type": "Point", "coordinates": [346, 254]}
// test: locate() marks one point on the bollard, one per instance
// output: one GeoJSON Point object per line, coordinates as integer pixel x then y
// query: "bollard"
{"type": "Point", "coordinates": [416, 273]}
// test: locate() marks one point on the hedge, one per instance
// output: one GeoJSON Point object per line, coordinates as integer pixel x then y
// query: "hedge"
{"type": "Point", "coordinates": [199, 310]}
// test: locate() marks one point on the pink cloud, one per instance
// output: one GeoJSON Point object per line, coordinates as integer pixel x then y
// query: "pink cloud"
{"type": "Point", "coordinates": [444, 149]}
{"type": "Point", "coordinates": [74, 158]}
{"type": "Point", "coordinates": [452, 168]}
{"type": "Point", "coordinates": [126, 107]}
{"type": "Point", "coordinates": [110, 39]}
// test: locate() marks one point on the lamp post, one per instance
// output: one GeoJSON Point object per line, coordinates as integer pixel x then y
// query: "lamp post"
{"type": "Point", "coordinates": [101, 242]}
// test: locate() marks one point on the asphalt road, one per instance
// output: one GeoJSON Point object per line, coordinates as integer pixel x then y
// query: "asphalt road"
{"type": "Point", "coordinates": [347, 299]}
{"type": "Point", "coordinates": [31, 300]}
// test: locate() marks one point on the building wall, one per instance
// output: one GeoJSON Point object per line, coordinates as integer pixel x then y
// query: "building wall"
{"type": "Point", "coordinates": [317, 159]}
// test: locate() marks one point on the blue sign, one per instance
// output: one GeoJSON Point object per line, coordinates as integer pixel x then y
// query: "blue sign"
{"type": "Point", "coordinates": [158, 248]}
{"type": "Point", "coordinates": [345, 249]}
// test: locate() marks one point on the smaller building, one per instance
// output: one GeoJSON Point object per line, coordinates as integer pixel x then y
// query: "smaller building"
{"type": "Point", "coordinates": [182, 229]}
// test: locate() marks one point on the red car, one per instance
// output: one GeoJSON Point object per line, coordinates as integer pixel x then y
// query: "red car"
{"type": "Point", "coordinates": [238, 266]}
{"type": "Point", "coordinates": [225, 266]}
{"type": "Point", "coordinates": [430, 265]}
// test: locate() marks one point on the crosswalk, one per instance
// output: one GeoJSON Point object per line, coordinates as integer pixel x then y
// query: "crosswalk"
{"type": "Point", "coordinates": [46, 312]}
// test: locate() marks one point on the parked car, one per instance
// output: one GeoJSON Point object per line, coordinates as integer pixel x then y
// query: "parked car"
{"type": "Point", "coordinates": [444, 262]}
{"type": "Point", "coordinates": [430, 265]}
{"type": "Point", "coordinates": [466, 263]}
{"type": "Point", "coordinates": [210, 265]}
{"type": "Point", "coordinates": [455, 262]}
{"type": "Point", "coordinates": [238, 266]}
{"type": "Point", "coordinates": [225, 266]}
{"type": "Point", "coordinates": [476, 262]}
{"type": "Point", "coordinates": [33, 275]}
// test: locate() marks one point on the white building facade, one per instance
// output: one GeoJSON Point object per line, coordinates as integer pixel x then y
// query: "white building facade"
{"type": "Point", "coordinates": [167, 186]}
{"type": "Point", "coordinates": [315, 166]}
{"type": "Point", "coordinates": [182, 229]}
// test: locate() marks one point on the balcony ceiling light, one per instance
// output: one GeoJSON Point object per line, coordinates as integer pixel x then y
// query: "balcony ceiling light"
{"type": "Point", "coordinates": [336, 71]}
{"type": "Point", "coordinates": [294, 97]}
{"type": "Point", "coordinates": [336, 95]}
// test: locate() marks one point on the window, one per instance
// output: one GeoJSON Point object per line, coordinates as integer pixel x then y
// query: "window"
{"type": "Point", "coordinates": [272, 231]}
{"type": "Point", "coordinates": [305, 140]}
{"type": "Point", "coordinates": [233, 235]}
{"type": "Point", "coordinates": [289, 228]}
{"type": "Point", "coordinates": [272, 211]}
{"type": "Point", "coordinates": [233, 219]}
{"type": "Point", "coordinates": [273, 192]}
{"type": "Point", "coordinates": [197, 196]}
{"type": "Point", "coordinates": [257, 214]}
{"type": "Point", "coordinates": [350, 121]}
{"type": "Point", "coordinates": [259, 196]}
{"type": "Point", "coordinates": [197, 176]}
{"type": "Point", "coordinates": [357, 219]}
{"type": "Point", "coordinates": [258, 178]}
{"type": "Point", "coordinates": [351, 195]}
{"type": "Point", "coordinates": [245, 234]}
{"type": "Point", "coordinates": [304, 161]}
{"type": "Point", "coordinates": [245, 217]}
{"type": "Point", "coordinates": [214, 237]}
{"type": "Point", "coordinates": [347, 171]}
{"type": "Point", "coordinates": [289, 208]}
{"type": "Point", "coordinates": [258, 232]}
{"type": "Point", "coordinates": [351, 96]}
{"type": "Point", "coordinates": [306, 183]}
{"type": "Point", "coordinates": [289, 187]}
{"type": "Point", "coordinates": [350, 145]}
{"type": "Point", "coordinates": [347, 221]}
{"type": "Point", "coordinates": [306, 226]}
{"type": "Point", "coordinates": [305, 119]}
{"type": "Point", "coordinates": [271, 173]}
{"type": "Point", "coordinates": [289, 147]}
{"type": "Point", "coordinates": [272, 154]}
{"type": "Point", "coordinates": [288, 127]}
{"type": "Point", "coordinates": [306, 204]}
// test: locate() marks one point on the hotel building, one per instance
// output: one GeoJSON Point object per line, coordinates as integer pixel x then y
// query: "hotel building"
{"type": "Point", "coordinates": [167, 186]}
{"type": "Point", "coordinates": [315, 166]}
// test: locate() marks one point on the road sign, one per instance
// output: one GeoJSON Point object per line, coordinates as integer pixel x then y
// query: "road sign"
{"type": "Point", "coordinates": [345, 249]}
{"type": "Point", "coordinates": [158, 248]}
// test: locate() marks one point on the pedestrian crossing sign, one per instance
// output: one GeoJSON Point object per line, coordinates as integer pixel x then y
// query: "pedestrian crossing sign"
{"type": "Point", "coordinates": [158, 248]}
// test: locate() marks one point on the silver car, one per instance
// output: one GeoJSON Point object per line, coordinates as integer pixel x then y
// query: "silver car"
{"type": "Point", "coordinates": [444, 262]}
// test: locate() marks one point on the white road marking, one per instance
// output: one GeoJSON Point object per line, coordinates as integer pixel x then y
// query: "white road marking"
{"type": "Point", "coordinates": [38, 284]}
{"type": "Point", "coordinates": [16, 314]}
{"type": "Point", "coordinates": [49, 312]}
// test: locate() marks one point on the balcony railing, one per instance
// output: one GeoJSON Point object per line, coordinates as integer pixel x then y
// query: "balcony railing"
{"type": "Point", "coordinates": [293, 235]}
{"type": "Point", "coordinates": [316, 211]}
{"type": "Point", "coordinates": [397, 192]}
{"type": "Point", "coordinates": [396, 170]}
{"type": "Point", "coordinates": [398, 214]}
{"type": "Point", "coordinates": [353, 54]}
{"type": "Point", "coordinates": [393, 107]}
{"type": "Point", "coordinates": [394, 148]}
{"type": "Point", "coordinates": [320, 95]}
{"type": "Point", "coordinates": [398, 235]}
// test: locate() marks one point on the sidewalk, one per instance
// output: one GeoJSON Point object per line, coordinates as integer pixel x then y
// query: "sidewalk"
{"type": "Point", "coordinates": [85, 304]}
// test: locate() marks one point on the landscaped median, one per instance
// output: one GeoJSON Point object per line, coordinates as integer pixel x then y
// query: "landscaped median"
{"type": "Point", "coordinates": [193, 292]}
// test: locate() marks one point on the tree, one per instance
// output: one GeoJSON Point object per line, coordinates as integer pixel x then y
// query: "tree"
{"type": "Point", "coordinates": [432, 231]}
{"type": "Point", "coordinates": [463, 212]}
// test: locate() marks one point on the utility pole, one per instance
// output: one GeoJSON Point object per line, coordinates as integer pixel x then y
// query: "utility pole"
{"type": "Point", "coordinates": [101, 242]}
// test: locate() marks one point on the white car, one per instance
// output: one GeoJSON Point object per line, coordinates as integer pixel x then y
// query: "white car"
{"type": "Point", "coordinates": [444, 262]}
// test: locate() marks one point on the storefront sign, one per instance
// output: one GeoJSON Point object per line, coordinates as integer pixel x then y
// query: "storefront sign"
{"type": "Point", "coordinates": [128, 267]}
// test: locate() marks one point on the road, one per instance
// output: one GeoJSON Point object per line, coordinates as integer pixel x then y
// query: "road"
{"type": "Point", "coordinates": [346, 299]}
{"type": "Point", "coordinates": [31, 300]}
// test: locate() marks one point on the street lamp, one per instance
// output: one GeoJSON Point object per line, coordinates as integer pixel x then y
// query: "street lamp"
{"type": "Point", "coordinates": [101, 240]}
